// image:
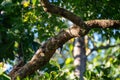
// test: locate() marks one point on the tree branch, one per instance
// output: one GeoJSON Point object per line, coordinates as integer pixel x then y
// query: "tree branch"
{"type": "Point", "coordinates": [76, 19]}
{"type": "Point", "coordinates": [63, 12]}
{"type": "Point", "coordinates": [43, 55]}
{"type": "Point", "coordinates": [103, 24]}
{"type": "Point", "coordinates": [101, 47]}
{"type": "Point", "coordinates": [79, 54]}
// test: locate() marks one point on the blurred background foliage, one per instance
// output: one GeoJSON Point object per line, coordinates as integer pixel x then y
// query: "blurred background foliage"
{"type": "Point", "coordinates": [24, 26]}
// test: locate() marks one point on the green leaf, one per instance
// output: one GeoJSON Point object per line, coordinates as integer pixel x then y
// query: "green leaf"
{"type": "Point", "coordinates": [34, 2]}
{"type": "Point", "coordinates": [55, 63]}
{"type": "Point", "coordinates": [1, 71]}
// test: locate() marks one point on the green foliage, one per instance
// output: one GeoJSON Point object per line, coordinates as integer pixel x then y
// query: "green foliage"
{"type": "Point", "coordinates": [104, 65]}
{"type": "Point", "coordinates": [3, 75]}
{"type": "Point", "coordinates": [24, 25]}
{"type": "Point", "coordinates": [22, 22]}
{"type": "Point", "coordinates": [55, 71]}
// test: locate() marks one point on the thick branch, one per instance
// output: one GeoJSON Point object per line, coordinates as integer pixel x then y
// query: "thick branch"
{"type": "Point", "coordinates": [103, 23]}
{"type": "Point", "coordinates": [77, 20]}
{"type": "Point", "coordinates": [63, 12]}
{"type": "Point", "coordinates": [79, 57]}
{"type": "Point", "coordinates": [43, 55]}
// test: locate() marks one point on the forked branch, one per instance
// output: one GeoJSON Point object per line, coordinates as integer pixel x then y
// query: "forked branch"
{"type": "Point", "coordinates": [43, 54]}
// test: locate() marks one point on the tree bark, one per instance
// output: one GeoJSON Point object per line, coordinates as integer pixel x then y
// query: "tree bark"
{"type": "Point", "coordinates": [80, 57]}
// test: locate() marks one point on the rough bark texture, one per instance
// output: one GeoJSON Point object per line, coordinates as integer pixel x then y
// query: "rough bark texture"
{"type": "Point", "coordinates": [43, 55]}
{"type": "Point", "coordinates": [80, 57]}
{"type": "Point", "coordinates": [103, 24]}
